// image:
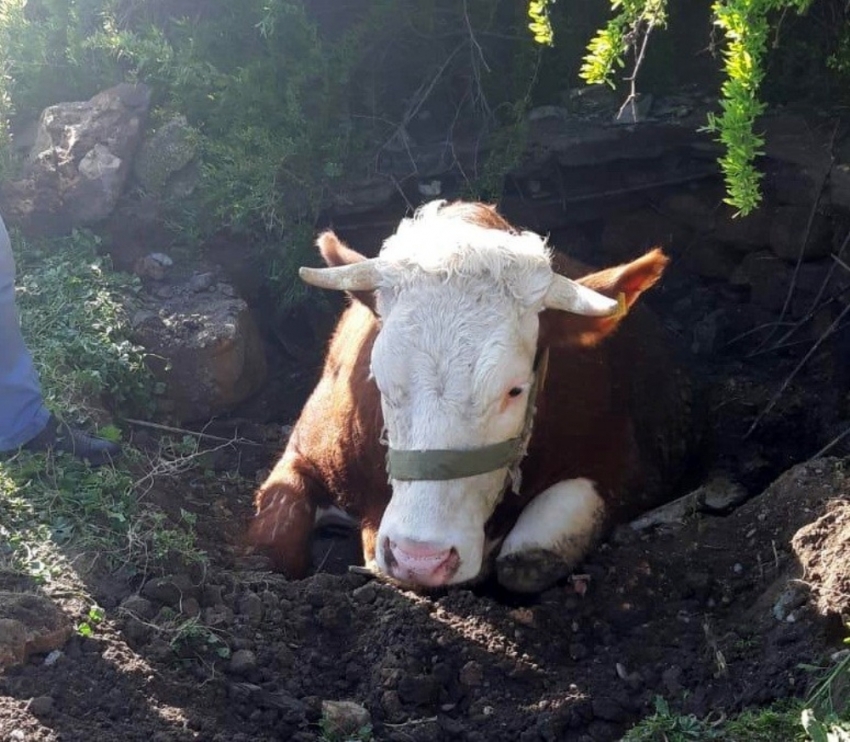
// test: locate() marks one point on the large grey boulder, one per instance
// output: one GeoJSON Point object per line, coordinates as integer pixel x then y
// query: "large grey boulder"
{"type": "Point", "coordinates": [80, 161]}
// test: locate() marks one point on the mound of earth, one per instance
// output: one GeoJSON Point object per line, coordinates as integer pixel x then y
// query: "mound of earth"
{"type": "Point", "coordinates": [712, 614]}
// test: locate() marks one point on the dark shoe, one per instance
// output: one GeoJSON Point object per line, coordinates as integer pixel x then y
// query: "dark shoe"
{"type": "Point", "coordinates": [57, 436]}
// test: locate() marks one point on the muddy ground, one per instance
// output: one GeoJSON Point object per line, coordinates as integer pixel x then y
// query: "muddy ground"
{"type": "Point", "coordinates": [714, 614]}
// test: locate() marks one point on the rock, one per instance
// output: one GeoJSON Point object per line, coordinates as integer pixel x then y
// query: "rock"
{"type": "Point", "coordinates": [768, 278]}
{"type": "Point", "coordinates": [744, 233]}
{"type": "Point", "coordinates": [696, 209]}
{"type": "Point", "coordinates": [710, 258]}
{"type": "Point", "coordinates": [169, 590]}
{"type": "Point", "coordinates": [718, 495]}
{"type": "Point", "coordinates": [365, 593]}
{"type": "Point", "coordinates": [789, 600]}
{"type": "Point", "coordinates": [190, 607]}
{"type": "Point", "coordinates": [138, 606]}
{"type": "Point", "coordinates": [839, 185]}
{"type": "Point", "coordinates": [634, 111]}
{"type": "Point", "coordinates": [786, 183]}
{"type": "Point", "coordinates": [796, 140]}
{"type": "Point", "coordinates": [546, 112]}
{"type": "Point", "coordinates": [29, 624]}
{"type": "Point", "coordinates": [363, 196]}
{"type": "Point", "coordinates": [251, 606]}
{"type": "Point", "coordinates": [165, 165]}
{"type": "Point", "coordinates": [201, 281]}
{"type": "Point", "coordinates": [79, 162]}
{"type": "Point", "coordinates": [471, 674]}
{"type": "Point", "coordinates": [419, 690]}
{"type": "Point", "coordinates": [242, 662]}
{"type": "Point", "coordinates": [626, 236]}
{"type": "Point", "coordinates": [343, 719]}
{"type": "Point", "coordinates": [608, 709]}
{"type": "Point", "coordinates": [40, 705]}
{"type": "Point", "coordinates": [789, 227]}
{"type": "Point", "coordinates": [154, 265]}
{"type": "Point", "coordinates": [205, 347]}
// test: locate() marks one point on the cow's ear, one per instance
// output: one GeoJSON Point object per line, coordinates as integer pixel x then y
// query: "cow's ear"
{"type": "Point", "coordinates": [335, 252]}
{"type": "Point", "coordinates": [624, 282]}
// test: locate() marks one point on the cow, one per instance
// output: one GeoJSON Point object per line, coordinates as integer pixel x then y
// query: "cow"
{"type": "Point", "coordinates": [480, 407]}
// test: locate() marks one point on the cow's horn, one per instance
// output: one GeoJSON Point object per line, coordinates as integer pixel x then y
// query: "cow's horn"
{"type": "Point", "coordinates": [569, 296]}
{"type": "Point", "coordinates": [363, 276]}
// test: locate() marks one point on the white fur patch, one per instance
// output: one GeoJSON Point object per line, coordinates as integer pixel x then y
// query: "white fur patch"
{"type": "Point", "coordinates": [565, 519]}
{"type": "Point", "coordinates": [459, 307]}
{"type": "Point", "coordinates": [441, 243]}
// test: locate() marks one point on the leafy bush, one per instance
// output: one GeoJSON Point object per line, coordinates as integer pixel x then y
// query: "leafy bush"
{"type": "Point", "coordinates": [289, 99]}
{"type": "Point", "coordinates": [749, 28]}
{"type": "Point", "coordinates": [73, 314]}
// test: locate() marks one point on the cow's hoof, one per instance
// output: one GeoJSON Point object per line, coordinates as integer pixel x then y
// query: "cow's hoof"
{"type": "Point", "coordinates": [531, 571]}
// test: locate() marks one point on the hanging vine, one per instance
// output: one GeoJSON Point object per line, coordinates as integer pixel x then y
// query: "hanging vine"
{"type": "Point", "coordinates": [746, 26]}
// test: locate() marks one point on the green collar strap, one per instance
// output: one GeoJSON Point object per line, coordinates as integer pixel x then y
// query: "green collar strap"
{"type": "Point", "coordinates": [445, 464]}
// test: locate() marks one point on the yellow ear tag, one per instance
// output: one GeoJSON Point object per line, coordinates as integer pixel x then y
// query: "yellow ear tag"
{"type": "Point", "coordinates": [622, 309]}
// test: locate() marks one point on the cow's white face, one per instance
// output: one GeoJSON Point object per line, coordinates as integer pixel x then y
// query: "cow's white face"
{"type": "Point", "coordinates": [454, 364]}
{"type": "Point", "coordinates": [458, 293]}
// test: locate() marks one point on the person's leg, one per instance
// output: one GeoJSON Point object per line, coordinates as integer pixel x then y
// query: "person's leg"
{"type": "Point", "coordinates": [22, 412]}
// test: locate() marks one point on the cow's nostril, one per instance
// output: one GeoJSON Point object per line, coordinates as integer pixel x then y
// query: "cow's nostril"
{"type": "Point", "coordinates": [421, 562]}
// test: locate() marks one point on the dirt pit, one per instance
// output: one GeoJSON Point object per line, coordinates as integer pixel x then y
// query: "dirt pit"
{"type": "Point", "coordinates": [714, 615]}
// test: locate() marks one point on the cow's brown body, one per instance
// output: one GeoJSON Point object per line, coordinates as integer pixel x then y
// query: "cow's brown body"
{"type": "Point", "coordinates": [617, 413]}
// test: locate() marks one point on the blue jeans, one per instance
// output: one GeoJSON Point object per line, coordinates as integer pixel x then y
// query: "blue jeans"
{"type": "Point", "coordinates": [22, 412]}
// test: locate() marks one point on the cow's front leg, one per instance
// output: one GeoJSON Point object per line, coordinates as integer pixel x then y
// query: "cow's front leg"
{"type": "Point", "coordinates": [551, 536]}
{"type": "Point", "coordinates": [283, 524]}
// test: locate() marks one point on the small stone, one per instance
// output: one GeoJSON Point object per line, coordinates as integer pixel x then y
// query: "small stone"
{"type": "Point", "coordinates": [40, 705]}
{"type": "Point", "coordinates": [242, 661]}
{"type": "Point", "coordinates": [790, 599]}
{"type": "Point", "coordinates": [139, 607]}
{"type": "Point", "coordinates": [343, 719]}
{"type": "Point", "coordinates": [471, 674]}
{"type": "Point", "coordinates": [136, 631]}
{"type": "Point", "coordinates": [53, 657]}
{"type": "Point", "coordinates": [251, 606]}
{"type": "Point", "coordinates": [419, 690]}
{"type": "Point", "coordinates": [391, 704]}
{"type": "Point", "coordinates": [164, 590]}
{"type": "Point", "coordinates": [608, 709]}
{"type": "Point", "coordinates": [190, 607]}
{"type": "Point", "coordinates": [737, 568]}
{"type": "Point", "coordinates": [159, 650]}
{"type": "Point", "coordinates": [365, 594]}
{"type": "Point", "coordinates": [578, 651]}
{"type": "Point", "coordinates": [201, 282]}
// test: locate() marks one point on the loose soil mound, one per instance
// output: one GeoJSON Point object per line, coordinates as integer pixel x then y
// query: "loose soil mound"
{"type": "Point", "coordinates": [707, 615]}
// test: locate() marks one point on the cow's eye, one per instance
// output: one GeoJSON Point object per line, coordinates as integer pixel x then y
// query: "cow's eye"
{"type": "Point", "coordinates": [515, 391]}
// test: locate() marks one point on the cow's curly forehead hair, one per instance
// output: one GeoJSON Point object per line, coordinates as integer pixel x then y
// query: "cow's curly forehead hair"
{"type": "Point", "coordinates": [460, 239]}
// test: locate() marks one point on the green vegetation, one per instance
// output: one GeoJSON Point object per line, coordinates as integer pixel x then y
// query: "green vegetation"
{"type": "Point", "coordinates": [288, 100]}
{"type": "Point", "coordinates": [824, 716]}
{"type": "Point", "coordinates": [73, 313]}
{"type": "Point", "coordinates": [55, 509]}
{"type": "Point", "coordinates": [749, 28]}
{"type": "Point", "coordinates": [330, 733]}
{"type": "Point", "coordinates": [86, 627]}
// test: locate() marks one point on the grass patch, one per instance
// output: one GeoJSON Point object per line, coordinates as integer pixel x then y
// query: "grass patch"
{"type": "Point", "coordinates": [75, 317]}
{"type": "Point", "coordinates": [779, 722]}
{"type": "Point", "coordinates": [56, 512]}
{"type": "Point", "coordinates": [824, 716]}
